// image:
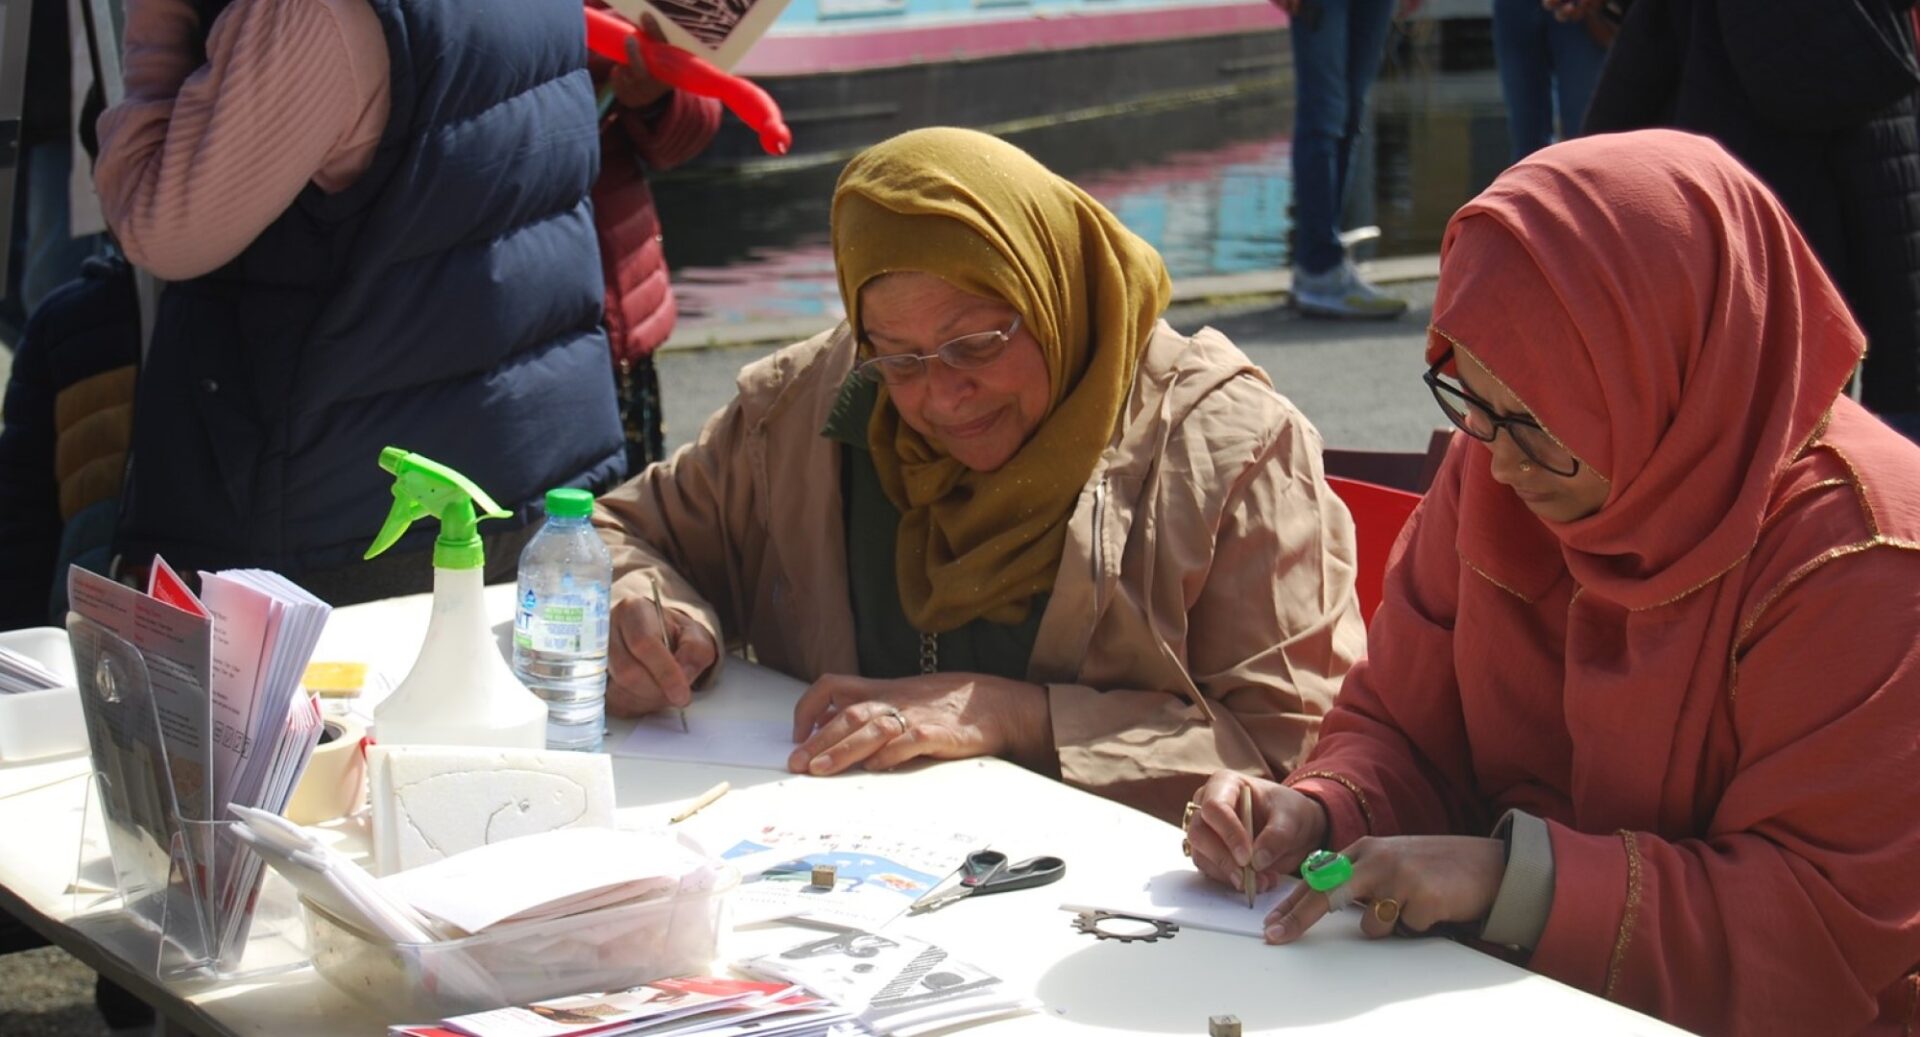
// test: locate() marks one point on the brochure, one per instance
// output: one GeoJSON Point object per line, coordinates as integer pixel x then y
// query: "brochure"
{"type": "Point", "coordinates": [877, 875]}
{"type": "Point", "coordinates": [191, 705]}
{"type": "Point", "coordinates": [896, 985]}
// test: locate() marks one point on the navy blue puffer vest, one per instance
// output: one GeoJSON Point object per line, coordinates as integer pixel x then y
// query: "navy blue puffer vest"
{"type": "Point", "coordinates": [448, 302]}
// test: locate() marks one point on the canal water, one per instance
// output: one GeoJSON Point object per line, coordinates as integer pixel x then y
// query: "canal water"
{"type": "Point", "coordinates": [1207, 183]}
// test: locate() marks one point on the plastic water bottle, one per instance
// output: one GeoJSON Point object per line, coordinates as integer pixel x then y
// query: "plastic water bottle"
{"type": "Point", "coordinates": [560, 622]}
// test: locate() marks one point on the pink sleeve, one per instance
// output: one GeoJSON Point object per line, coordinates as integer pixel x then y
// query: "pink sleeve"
{"type": "Point", "coordinates": [1393, 757]}
{"type": "Point", "coordinates": [196, 162]}
{"type": "Point", "coordinates": [1798, 910]}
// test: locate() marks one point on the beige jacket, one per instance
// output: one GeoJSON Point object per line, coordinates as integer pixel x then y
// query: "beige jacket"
{"type": "Point", "coordinates": [1204, 611]}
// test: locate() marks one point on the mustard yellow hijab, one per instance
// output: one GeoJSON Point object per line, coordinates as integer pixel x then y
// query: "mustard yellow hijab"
{"type": "Point", "coordinates": [985, 217]}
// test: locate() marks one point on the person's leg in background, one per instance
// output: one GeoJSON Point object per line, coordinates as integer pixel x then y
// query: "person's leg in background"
{"type": "Point", "coordinates": [52, 255]}
{"type": "Point", "coordinates": [1319, 36]}
{"type": "Point", "coordinates": [1522, 54]}
{"type": "Point", "coordinates": [1337, 49]}
{"type": "Point", "coordinates": [1577, 57]}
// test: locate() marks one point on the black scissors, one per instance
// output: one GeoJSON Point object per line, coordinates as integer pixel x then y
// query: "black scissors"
{"type": "Point", "coordinates": [987, 871]}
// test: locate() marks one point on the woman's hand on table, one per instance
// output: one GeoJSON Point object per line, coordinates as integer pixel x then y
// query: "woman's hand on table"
{"type": "Point", "coordinates": [645, 675]}
{"type": "Point", "coordinates": [1287, 825]}
{"type": "Point", "coordinates": [881, 724]}
{"type": "Point", "coordinates": [1410, 882]}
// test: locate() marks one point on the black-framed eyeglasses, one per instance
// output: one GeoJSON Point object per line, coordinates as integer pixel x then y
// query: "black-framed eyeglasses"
{"type": "Point", "coordinates": [1476, 417]}
{"type": "Point", "coordinates": [966, 353]}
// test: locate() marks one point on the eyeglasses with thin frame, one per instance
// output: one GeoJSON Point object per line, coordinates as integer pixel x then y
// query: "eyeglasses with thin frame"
{"type": "Point", "coordinates": [1476, 417]}
{"type": "Point", "coordinates": [966, 353]}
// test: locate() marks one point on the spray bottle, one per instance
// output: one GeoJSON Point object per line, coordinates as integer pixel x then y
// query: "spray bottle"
{"type": "Point", "coordinates": [460, 690]}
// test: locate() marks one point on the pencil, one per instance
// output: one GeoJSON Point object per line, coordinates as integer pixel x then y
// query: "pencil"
{"type": "Point", "coordinates": [706, 800]}
{"type": "Point", "coordinates": [660, 613]}
{"type": "Point", "coordinates": [1246, 821]}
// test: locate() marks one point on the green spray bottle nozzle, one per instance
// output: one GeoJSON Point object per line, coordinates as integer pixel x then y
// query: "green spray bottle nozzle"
{"type": "Point", "coordinates": [422, 487]}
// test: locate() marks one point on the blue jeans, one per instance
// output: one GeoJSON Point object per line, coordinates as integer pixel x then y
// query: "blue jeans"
{"type": "Point", "coordinates": [1337, 48]}
{"type": "Point", "coordinates": [1544, 65]}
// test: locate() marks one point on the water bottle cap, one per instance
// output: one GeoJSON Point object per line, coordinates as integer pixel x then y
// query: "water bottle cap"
{"type": "Point", "coordinates": [569, 503]}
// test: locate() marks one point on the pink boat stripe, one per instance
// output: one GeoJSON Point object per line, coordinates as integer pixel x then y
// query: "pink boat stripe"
{"type": "Point", "coordinates": [859, 48]}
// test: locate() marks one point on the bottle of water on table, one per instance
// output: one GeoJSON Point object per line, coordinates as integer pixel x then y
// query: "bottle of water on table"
{"type": "Point", "coordinates": [560, 621]}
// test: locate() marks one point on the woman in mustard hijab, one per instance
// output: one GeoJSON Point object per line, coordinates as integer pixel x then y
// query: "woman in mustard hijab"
{"type": "Point", "coordinates": [1003, 509]}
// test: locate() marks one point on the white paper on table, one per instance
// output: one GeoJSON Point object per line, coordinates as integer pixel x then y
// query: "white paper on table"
{"type": "Point", "coordinates": [754, 730]}
{"type": "Point", "coordinates": [761, 744]}
{"type": "Point", "coordinates": [1186, 897]}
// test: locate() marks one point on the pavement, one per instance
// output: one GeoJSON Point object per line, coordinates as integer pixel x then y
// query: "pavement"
{"type": "Point", "coordinates": [1357, 381]}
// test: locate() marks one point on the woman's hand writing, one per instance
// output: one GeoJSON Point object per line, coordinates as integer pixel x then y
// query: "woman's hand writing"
{"type": "Point", "coordinates": [882, 724]}
{"type": "Point", "coordinates": [650, 667]}
{"type": "Point", "coordinates": [1287, 825]}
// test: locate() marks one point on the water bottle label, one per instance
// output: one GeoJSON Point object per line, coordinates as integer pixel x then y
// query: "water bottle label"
{"type": "Point", "coordinates": [572, 621]}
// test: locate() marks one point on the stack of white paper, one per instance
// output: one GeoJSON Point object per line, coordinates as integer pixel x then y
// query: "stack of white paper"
{"type": "Point", "coordinates": [551, 875]}
{"type": "Point", "coordinates": [264, 630]}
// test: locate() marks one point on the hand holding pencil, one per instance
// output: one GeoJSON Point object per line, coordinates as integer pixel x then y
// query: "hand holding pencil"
{"type": "Point", "coordinates": [1250, 833]}
{"type": "Point", "coordinates": [655, 652]}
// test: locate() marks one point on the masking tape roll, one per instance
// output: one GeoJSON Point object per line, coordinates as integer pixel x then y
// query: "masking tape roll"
{"type": "Point", "coordinates": [336, 779]}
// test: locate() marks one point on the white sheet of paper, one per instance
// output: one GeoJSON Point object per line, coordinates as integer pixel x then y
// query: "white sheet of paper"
{"type": "Point", "coordinates": [762, 744]}
{"type": "Point", "coordinates": [755, 730]}
{"type": "Point", "coordinates": [1186, 897]}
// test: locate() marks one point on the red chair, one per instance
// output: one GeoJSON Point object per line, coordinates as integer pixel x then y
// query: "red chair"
{"type": "Point", "coordinates": [1379, 512]}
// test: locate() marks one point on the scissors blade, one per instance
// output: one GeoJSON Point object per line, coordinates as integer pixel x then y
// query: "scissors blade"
{"type": "Point", "coordinates": [939, 896]}
{"type": "Point", "coordinates": [936, 901]}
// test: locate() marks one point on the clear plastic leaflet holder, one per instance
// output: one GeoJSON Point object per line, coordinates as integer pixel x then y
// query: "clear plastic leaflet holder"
{"type": "Point", "coordinates": [174, 863]}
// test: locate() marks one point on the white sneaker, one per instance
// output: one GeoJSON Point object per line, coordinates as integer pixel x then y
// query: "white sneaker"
{"type": "Point", "coordinates": [1342, 292]}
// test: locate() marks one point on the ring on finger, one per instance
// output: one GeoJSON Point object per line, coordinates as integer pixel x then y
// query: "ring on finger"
{"type": "Point", "coordinates": [898, 718]}
{"type": "Point", "coordinates": [1386, 911]}
{"type": "Point", "coordinates": [1186, 817]}
{"type": "Point", "coordinates": [1186, 846]}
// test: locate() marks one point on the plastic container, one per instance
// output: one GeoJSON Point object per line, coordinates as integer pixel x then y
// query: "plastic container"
{"type": "Point", "coordinates": [560, 622]}
{"type": "Point", "coordinates": [609, 949]}
{"type": "Point", "coordinates": [34, 724]}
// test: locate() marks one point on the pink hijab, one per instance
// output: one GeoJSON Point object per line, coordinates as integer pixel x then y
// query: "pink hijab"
{"type": "Point", "coordinates": [1656, 308]}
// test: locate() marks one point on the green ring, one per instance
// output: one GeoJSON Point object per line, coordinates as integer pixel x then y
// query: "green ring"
{"type": "Point", "coordinates": [1325, 871]}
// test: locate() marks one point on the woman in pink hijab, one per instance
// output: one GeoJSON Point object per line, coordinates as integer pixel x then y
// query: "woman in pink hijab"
{"type": "Point", "coordinates": [1642, 703]}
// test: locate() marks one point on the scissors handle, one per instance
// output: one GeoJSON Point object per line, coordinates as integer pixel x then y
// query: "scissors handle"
{"type": "Point", "coordinates": [1034, 871]}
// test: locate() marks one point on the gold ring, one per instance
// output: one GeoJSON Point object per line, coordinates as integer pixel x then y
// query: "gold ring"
{"type": "Point", "coordinates": [1386, 911]}
{"type": "Point", "coordinates": [1186, 817]}
{"type": "Point", "coordinates": [1186, 847]}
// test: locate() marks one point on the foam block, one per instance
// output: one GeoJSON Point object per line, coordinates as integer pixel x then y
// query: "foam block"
{"type": "Point", "coordinates": [431, 802]}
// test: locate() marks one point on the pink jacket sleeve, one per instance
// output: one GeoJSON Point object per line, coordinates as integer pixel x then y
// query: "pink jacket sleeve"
{"type": "Point", "coordinates": [198, 159]}
{"type": "Point", "coordinates": [1393, 757]}
{"type": "Point", "coordinates": [1799, 907]}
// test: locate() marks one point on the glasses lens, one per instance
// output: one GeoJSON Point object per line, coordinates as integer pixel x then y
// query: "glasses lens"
{"type": "Point", "coordinates": [1541, 448]}
{"type": "Point", "coordinates": [1464, 413]}
{"type": "Point", "coordinates": [970, 351]}
{"type": "Point", "coordinates": [892, 370]}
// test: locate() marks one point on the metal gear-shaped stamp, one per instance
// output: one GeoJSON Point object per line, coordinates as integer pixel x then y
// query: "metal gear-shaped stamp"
{"type": "Point", "coordinates": [1108, 925]}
